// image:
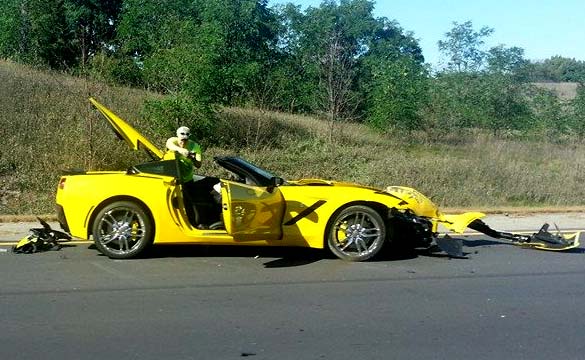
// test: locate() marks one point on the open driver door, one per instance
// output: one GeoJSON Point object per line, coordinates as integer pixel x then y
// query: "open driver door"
{"type": "Point", "coordinates": [252, 213]}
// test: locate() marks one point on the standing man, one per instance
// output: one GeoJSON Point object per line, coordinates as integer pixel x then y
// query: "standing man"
{"type": "Point", "coordinates": [189, 150]}
{"type": "Point", "coordinates": [188, 154]}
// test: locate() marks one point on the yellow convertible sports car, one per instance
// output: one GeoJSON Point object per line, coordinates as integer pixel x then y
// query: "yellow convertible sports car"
{"type": "Point", "coordinates": [127, 211]}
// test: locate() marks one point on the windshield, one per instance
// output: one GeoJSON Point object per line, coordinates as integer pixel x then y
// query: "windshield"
{"type": "Point", "coordinates": [264, 173]}
{"type": "Point", "coordinates": [244, 170]}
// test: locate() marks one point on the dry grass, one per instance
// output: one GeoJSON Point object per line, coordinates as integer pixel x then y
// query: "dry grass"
{"type": "Point", "coordinates": [564, 90]}
{"type": "Point", "coordinates": [479, 171]}
{"type": "Point", "coordinates": [47, 125]}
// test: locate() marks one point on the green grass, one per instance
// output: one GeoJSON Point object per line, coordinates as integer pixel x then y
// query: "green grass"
{"type": "Point", "coordinates": [48, 126]}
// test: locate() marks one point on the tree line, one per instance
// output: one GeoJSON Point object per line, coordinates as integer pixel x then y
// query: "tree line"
{"type": "Point", "coordinates": [336, 60]}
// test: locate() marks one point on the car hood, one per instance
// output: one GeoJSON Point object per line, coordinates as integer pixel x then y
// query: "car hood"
{"type": "Point", "coordinates": [417, 202]}
{"type": "Point", "coordinates": [321, 182]}
{"type": "Point", "coordinates": [127, 133]}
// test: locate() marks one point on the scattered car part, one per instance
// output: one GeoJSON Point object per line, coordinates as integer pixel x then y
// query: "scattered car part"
{"type": "Point", "coordinates": [543, 239]}
{"type": "Point", "coordinates": [41, 239]}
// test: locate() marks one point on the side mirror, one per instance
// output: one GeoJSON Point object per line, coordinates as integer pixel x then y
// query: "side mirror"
{"type": "Point", "coordinates": [274, 183]}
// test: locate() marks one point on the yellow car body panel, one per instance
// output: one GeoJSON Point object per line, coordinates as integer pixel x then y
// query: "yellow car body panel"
{"type": "Point", "coordinates": [310, 230]}
{"type": "Point", "coordinates": [125, 131]}
{"type": "Point", "coordinates": [253, 212]}
{"type": "Point", "coordinates": [417, 202]}
{"type": "Point", "coordinates": [458, 223]}
{"type": "Point", "coordinates": [83, 194]}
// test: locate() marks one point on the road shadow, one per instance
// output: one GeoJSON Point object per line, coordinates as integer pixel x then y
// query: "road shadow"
{"type": "Point", "coordinates": [482, 242]}
{"type": "Point", "coordinates": [284, 257]}
{"type": "Point", "coordinates": [275, 257]}
{"type": "Point", "coordinates": [575, 251]}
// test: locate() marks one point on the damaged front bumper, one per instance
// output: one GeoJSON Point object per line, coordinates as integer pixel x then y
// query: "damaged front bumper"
{"type": "Point", "coordinates": [543, 239]}
{"type": "Point", "coordinates": [424, 230]}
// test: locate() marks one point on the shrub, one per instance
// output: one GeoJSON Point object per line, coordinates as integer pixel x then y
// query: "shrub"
{"type": "Point", "coordinates": [114, 70]}
{"type": "Point", "coordinates": [167, 114]}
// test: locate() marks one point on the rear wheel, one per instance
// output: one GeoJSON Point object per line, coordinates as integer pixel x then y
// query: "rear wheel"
{"type": "Point", "coordinates": [122, 230]}
{"type": "Point", "coordinates": [357, 233]}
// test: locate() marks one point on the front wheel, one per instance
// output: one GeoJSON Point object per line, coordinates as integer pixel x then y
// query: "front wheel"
{"type": "Point", "coordinates": [357, 233]}
{"type": "Point", "coordinates": [122, 230]}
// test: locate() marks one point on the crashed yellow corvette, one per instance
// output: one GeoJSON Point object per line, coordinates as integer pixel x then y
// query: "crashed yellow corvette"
{"type": "Point", "coordinates": [127, 211]}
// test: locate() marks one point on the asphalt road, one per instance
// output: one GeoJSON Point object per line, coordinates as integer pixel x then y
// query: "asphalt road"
{"type": "Point", "coordinates": [502, 302]}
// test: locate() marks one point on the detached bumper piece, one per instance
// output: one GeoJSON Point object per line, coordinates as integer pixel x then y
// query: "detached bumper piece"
{"type": "Point", "coordinates": [41, 239]}
{"type": "Point", "coordinates": [543, 239]}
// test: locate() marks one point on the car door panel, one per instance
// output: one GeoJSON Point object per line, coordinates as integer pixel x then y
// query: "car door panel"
{"type": "Point", "coordinates": [251, 212]}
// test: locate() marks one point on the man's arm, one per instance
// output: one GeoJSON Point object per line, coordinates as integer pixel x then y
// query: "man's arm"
{"type": "Point", "coordinates": [196, 155]}
{"type": "Point", "coordinates": [172, 144]}
{"type": "Point", "coordinates": [195, 159]}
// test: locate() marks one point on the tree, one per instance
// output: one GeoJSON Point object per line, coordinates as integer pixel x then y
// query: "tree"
{"type": "Point", "coordinates": [398, 93]}
{"type": "Point", "coordinates": [241, 37]}
{"type": "Point", "coordinates": [92, 24]}
{"type": "Point", "coordinates": [146, 26]}
{"type": "Point", "coordinates": [329, 41]}
{"type": "Point", "coordinates": [58, 33]}
{"type": "Point", "coordinates": [506, 60]}
{"type": "Point", "coordinates": [10, 41]}
{"type": "Point", "coordinates": [549, 115]}
{"type": "Point", "coordinates": [479, 88]}
{"type": "Point", "coordinates": [393, 78]}
{"type": "Point", "coordinates": [495, 102]}
{"type": "Point", "coordinates": [557, 69]}
{"type": "Point", "coordinates": [463, 47]}
{"type": "Point", "coordinates": [45, 33]}
{"type": "Point", "coordinates": [344, 51]}
{"type": "Point", "coordinates": [212, 49]}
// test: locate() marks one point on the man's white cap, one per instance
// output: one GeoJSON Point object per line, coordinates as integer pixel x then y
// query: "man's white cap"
{"type": "Point", "coordinates": [183, 133]}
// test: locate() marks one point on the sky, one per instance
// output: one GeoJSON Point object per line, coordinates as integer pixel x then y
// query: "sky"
{"type": "Point", "coordinates": [543, 28]}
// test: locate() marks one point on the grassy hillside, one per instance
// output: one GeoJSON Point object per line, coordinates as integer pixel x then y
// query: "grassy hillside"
{"type": "Point", "coordinates": [564, 90]}
{"type": "Point", "coordinates": [47, 126]}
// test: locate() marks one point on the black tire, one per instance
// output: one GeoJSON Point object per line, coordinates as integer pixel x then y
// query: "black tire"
{"type": "Point", "coordinates": [357, 233]}
{"type": "Point", "coordinates": [122, 230]}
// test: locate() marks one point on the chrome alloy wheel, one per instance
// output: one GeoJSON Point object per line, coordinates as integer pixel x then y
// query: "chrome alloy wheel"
{"type": "Point", "coordinates": [357, 233]}
{"type": "Point", "coordinates": [122, 230]}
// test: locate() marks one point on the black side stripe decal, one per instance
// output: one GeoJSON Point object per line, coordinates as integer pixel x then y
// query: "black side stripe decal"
{"type": "Point", "coordinates": [305, 212]}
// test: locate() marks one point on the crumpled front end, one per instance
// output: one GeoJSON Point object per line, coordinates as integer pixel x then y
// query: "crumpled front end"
{"type": "Point", "coordinates": [414, 201]}
{"type": "Point", "coordinates": [422, 206]}
{"type": "Point", "coordinates": [423, 217]}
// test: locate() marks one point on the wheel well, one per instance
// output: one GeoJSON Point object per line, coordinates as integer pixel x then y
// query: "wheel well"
{"type": "Point", "coordinates": [376, 206]}
{"type": "Point", "coordinates": [107, 202]}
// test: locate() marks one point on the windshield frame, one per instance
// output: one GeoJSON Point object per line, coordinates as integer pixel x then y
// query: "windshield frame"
{"type": "Point", "coordinates": [246, 170]}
